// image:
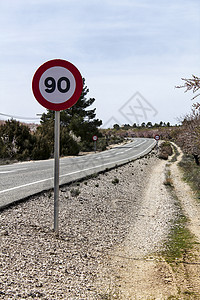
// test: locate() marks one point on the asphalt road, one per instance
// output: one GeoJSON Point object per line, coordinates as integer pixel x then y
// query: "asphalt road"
{"type": "Point", "coordinates": [21, 180]}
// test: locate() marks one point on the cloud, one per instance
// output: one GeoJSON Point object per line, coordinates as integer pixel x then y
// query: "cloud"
{"type": "Point", "coordinates": [121, 47]}
{"type": "Point", "coordinates": [101, 29]}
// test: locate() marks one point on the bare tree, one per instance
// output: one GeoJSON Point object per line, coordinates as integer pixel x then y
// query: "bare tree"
{"type": "Point", "coordinates": [191, 84]}
{"type": "Point", "coordinates": [190, 135]}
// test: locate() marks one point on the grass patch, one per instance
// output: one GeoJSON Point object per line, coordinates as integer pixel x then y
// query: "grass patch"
{"type": "Point", "coordinates": [191, 173]}
{"type": "Point", "coordinates": [92, 176]}
{"type": "Point", "coordinates": [75, 192]}
{"type": "Point", "coordinates": [110, 295]}
{"type": "Point", "coordinates": [180, 240]}
{"type": "Point", "coordinates": [168, 180]}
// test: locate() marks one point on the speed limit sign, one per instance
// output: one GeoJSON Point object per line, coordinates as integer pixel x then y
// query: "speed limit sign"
{"type": "Point", "coordinates": [95, 138]}
{"type": "Point", "coordinates": [57, 84]}
{"type": "Point", "coordinates": [157, 137]}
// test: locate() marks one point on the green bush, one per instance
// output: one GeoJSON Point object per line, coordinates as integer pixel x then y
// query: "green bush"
{"type": "Point", "coordinates": [42, 149]}
{"type": "Point", "coordinates": [16, 141]}
{"type": "Point", "coordinates": [101, 144]}
{"type": "Point", "coordinates": [68, 146]}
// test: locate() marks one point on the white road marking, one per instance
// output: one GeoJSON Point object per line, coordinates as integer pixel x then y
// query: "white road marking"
{"type": "Point", "coordinates": [139, 144]}
{"type": "Point", "coordinates": [12, 171]}
{"type": "Point", "coordinates": [5, 172]}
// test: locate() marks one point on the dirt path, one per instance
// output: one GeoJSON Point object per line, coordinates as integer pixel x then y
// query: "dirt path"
{"type": "Point", "coordinates": [136, 272]}
{"type": "Point", "coordinates": [186, 196]}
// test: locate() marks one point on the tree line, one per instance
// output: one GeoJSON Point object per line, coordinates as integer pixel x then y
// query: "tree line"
{"type": "Point", "coordinates": [189, 133]}
{"type": "Point", "coordinates": [142, 125]}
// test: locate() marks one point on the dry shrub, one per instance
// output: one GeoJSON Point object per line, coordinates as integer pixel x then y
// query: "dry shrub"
{"type": "Point", "coordinates": [165, 150]}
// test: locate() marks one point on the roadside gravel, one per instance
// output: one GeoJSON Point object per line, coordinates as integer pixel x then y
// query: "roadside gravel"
{"type": "Point", "coordinates": [108, 212]}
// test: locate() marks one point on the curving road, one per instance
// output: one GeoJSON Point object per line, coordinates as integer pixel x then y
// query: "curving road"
{"type": "Point", "coordinates": [21, 180]}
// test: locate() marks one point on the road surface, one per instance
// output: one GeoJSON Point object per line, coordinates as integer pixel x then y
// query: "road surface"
{"type": "Point", "coordinates": [21, 180]}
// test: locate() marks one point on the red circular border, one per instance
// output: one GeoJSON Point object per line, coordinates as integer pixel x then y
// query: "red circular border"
{"type": "Point", "coordinates": [95, 136]}
{"type": "Point", "coordinates": [157, 139]}
{"type": "Point", "coordinates": [57, 63]}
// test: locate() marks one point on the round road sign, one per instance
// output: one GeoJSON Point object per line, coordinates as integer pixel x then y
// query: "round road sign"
{"type": "Point", "coordinates": [157, 137]}
{"type": "Point", "coordinates": [57, 84]}
{"type": "Point", "coordinates": [95, 138]}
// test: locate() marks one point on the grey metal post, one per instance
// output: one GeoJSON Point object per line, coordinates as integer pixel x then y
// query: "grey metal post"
{"type": "Point", "coordinates": [56, 169]}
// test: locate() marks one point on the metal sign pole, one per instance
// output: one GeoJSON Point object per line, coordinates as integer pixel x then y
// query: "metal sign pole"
{"type": "Point", "coordinates": [50, 81]}
{"type": "Point", "coordinates": [56, 169]}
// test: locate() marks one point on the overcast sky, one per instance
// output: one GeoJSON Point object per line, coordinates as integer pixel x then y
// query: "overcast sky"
{"type": "Point", "coordinates": [132, 54]}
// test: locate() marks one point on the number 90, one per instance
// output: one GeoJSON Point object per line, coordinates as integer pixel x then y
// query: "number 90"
{"type": "Point", "coordinates": [63, 84]}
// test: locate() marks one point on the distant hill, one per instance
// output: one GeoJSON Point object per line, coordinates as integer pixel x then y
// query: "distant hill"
{"type": "Point", "coordinates": [31, 126]}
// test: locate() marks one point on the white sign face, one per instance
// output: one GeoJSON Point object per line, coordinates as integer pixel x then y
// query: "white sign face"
{"type": "Point", "coordinates": [57, 85]}
{"type": "Point", "coordinates": [95, 138]}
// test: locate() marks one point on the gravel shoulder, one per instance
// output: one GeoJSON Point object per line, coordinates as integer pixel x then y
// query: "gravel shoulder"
{"type": "Point", "coordinates": [110, 228]}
